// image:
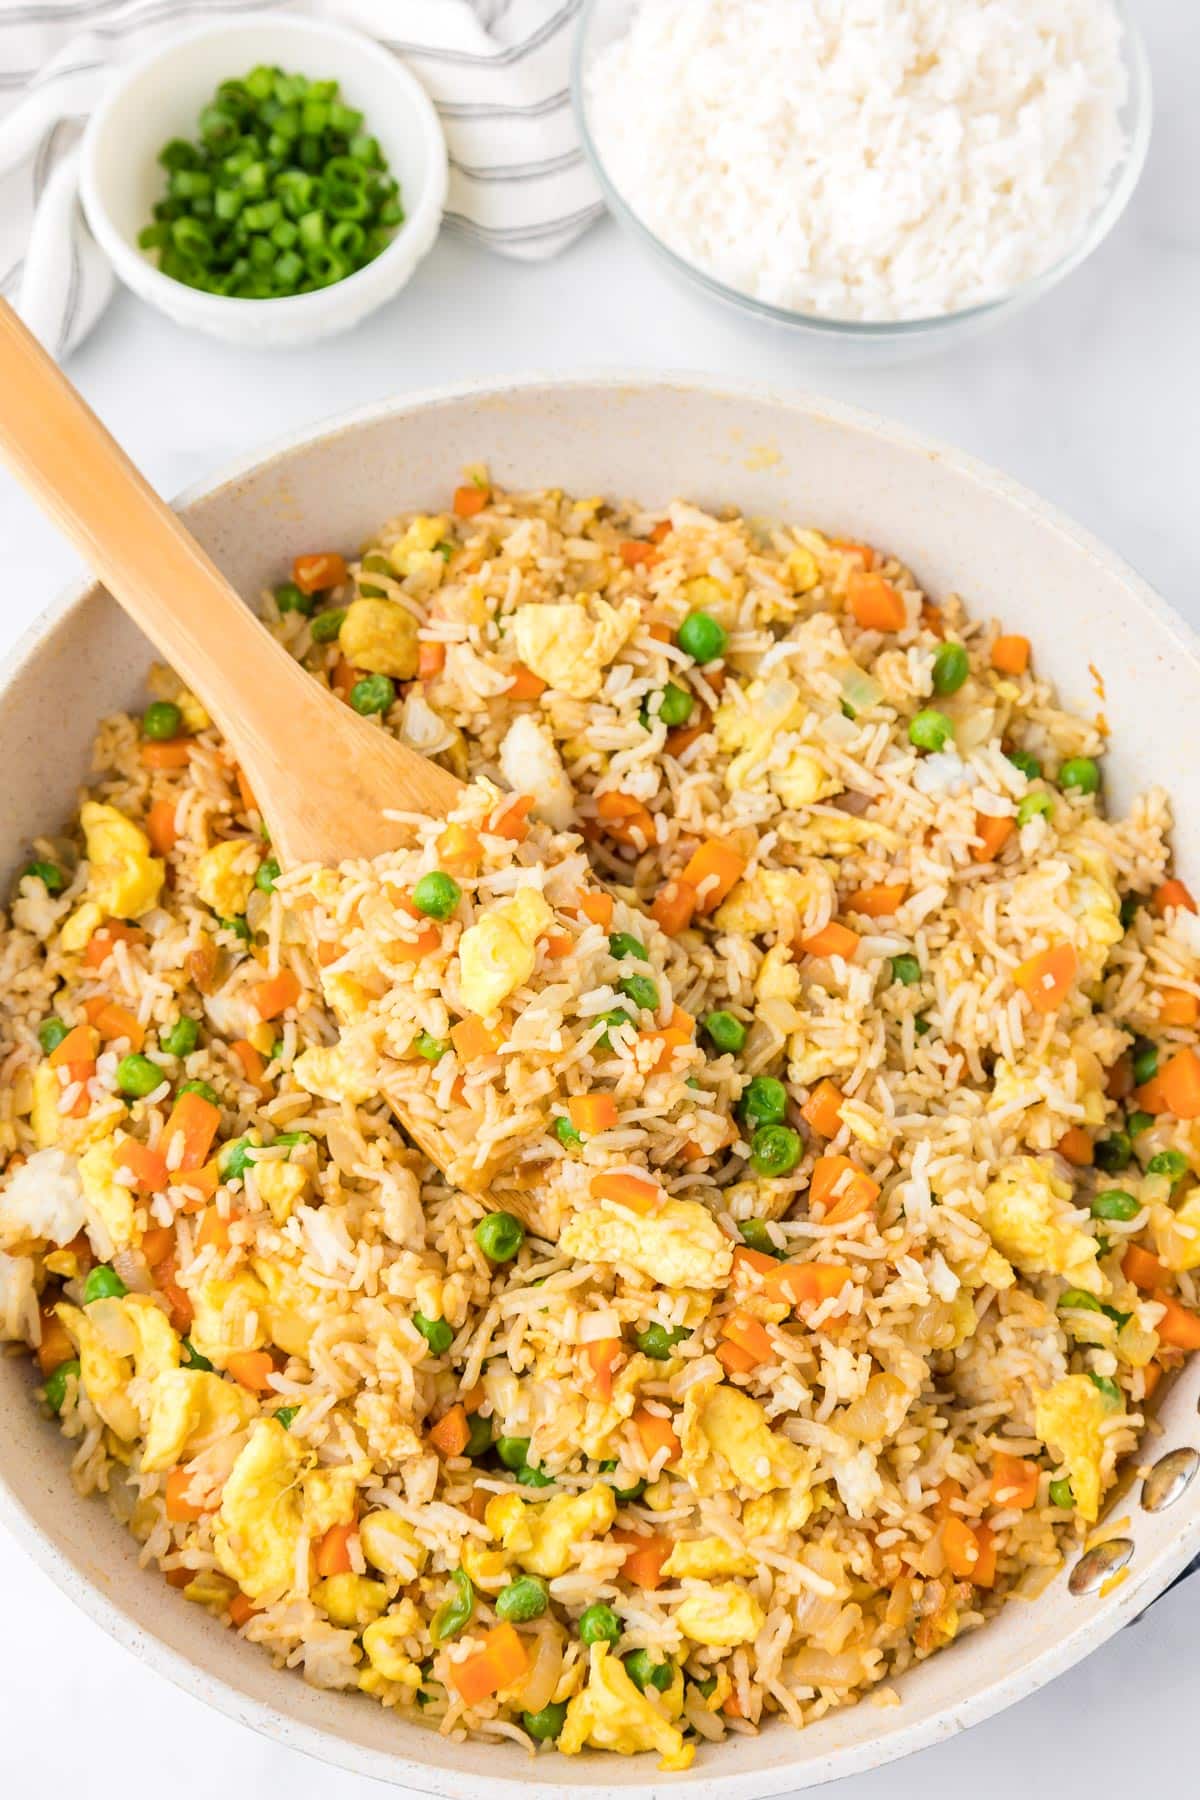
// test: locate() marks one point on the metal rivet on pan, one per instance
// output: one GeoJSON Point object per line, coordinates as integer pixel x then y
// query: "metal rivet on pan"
{"type": "Point", "coordinates": [1168, 1479]}
{"type": "Point", "coordinates": [1096, 1565]}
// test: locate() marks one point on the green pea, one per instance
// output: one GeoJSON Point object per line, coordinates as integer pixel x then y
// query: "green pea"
{"type": "Point", "coordinates": [1168, 1162]}
{"type": "Point", "coordinates": [1129, 910]}
{"type": "Point", "coordinates": [137, 1076]}
{"type": "Point", "coordinates": [267, 875]}
{"type": "Point", "coordinates": [544, 1725]}
{"type": "Point", "coordinates": [764, 1102]}
{"type": "Point", "coordinates": [48, 873]}
{"type": "Point", "coordinates": [1061, 1495]}
{"type": "Point", "coordinates": [1081, 773]}
{"type": "Point", "coordinates": [921, 1026]}
{"type": "Point", "coordinates": [755, 1233]}
{"type": "Point", "coordinates": [626, 1493]}
{"type": "Point", "coordinates": [103, 1283]}
{"type": "Point", "coordinates": [162, 721]}
{"type": "Point", "coordinates": [623, 943]}
{"type": "Point", "coordinates": [951, 667]}
{"type": "Point", "coordinates": [641, 990]}
{"type": "Point", "coordinates": [775, 1150]}
{"type": "Point", "coordinates": [437, 1334]}
{"type": "Point", "coordinates": [55, 1389]}
{"type": "Point", "coordinates": [454, 1615]}
{"type": "Point", "coordinates": [182, 1037]}
{"type": "Point", "coordinates": [1145, 1061]}
{"type": "Point", "coordinates": [675, 705]}
{"type": "Point", "coordinates": [1031, 806]}
{"type": "Point", "coordinates": [51, 1033]}
{"type": "Point", "coordinates": [290, 598]}
{"type": "Point", "coordinates": [644, 1672]}
{"type": "Point", "coordinates": [599, 1624]}
{"type": "Point", "coordinates": [616, 1017]}
{"type": "Point", "coordinates": [205, 1090]}
{"type": "Point", "coordinates": [373, 694]}
{"type": "Point", "coordinates": [1115, 1203]}
{"type": "Point", "coordinates": [566, 1134]}
{"type": "Point", "coordinates": [236, 1158]}
{"type": "Point", "coordinates": [529, 1475]}
{"type": "Point", "coordinates": [437, 895]}
{"type": "Point", "coordinates": [706, 1688]}
{"type": "Point", "coordinates": [1137, 1122]}
{"type": "Point", "coordinates": [658, 1341]}
{"type": "Point", "coordinates": [192, 1358]}
{"type": "Point", "coordinates": [1107, 1386]}
{"type": "Point", "coordinates": [285, 1416]}
{"type": "Point", "coordinates": [930, 730]}
{"type": "Point", "coordinates": [431, 1048]}
{"type": "Point", "coordinates": [479, 1435]}
{"type": "Point", "coordinates": [513, 1452]}
{"type": "Point", "coordinates": [524, 1599]}
{"type": "Point", "coordinates": [239, 928]}
{"type": "Point", "coordinates": [1112, 1153]}
{"type": "Point", "coordinates": [725, 1030]}
{"type": "Point", "coordinates": [702, 637]}
{"type": "Point", "coordinates": [906, 970]}
{"type": "Point", "coordinates": [326, 625]}
{"type": "Point", "coordinates": [1078, 1300]}
{"type": "Point", "coordinates": [1028, 764]}
{"type": "Point", "coordinates": [500, 1235]}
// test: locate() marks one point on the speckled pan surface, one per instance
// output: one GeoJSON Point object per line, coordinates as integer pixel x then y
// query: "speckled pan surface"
{"type": "Point", "coordinates": [962, 528]}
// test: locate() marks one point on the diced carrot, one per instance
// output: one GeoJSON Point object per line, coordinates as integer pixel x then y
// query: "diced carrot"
{"type": "Point", "coordinates": [690, 1151]}
{"type": "Point", "coordinates": [112, 931]}
{"type": "Point", "coordinates": [661, 531]}
{"type": "Point", "coordinates": [452, 1433]}
{"type": "Point", "coordinates": [558, 945]}
{"type": "Point", "coordinates": [525, 685]}
{"type": "Point", "coordinates": [196, 1120]}
{"type": "Point", "coordinates": [253, 1368]}
{"type": "Point", "coordinates": [431, 659]}
{"type": "Point", "coordinates": [789, 1283]}
{"type": "Point", "coordinates": [856, 1192]}
{"type": "Point", "coordinates": [469, 500]}
{"type": "Point", "coordinates": [160, 827]}
{"type": "Point", "coordinates": [275, 996]}
{"type": "Point", "coordinates": [333, 1552]}
{"type": "Point", "coordinates": [178, 1506]}
{"type": "Point", "coordinates": [1075, 1147]}
{"type": "Point", "coordinates": [113, 1021]}
{"type": "Point", "coordinates": [179, 1303]}
{"type": "Point", "coordinates": [473, 1040]}
{"type": "Point", "coordinates": [1014, 1481]}
{"type": "Point", "coordinates": [947, 1491]}
{"type": "Point", "coordinates": [1150, 1096]}
{"type": "Point", "coordinates": [213, 1232]}
{"type": "Point", "coordinates": [993, 833]}
{"type": "Point", "coordinates": [319, 570]}
{"type": "Point", "coordinates": [179, 1578]}
{"type": "Point", "coordinates": [625, 819]}
{"type": "Point", "coordinates": [985, 1563]}
{"type": "Point", "coordinates": [79, 1046]}
{"type": "Point", "coordinates": [473, 1397]}
{"type": "Point", "coordinates": [591, 1113]}
{"type": "Point", "coordinates": [931, 618]}
{"type": "Point", "coordinates": [149, 1170]}
{"type": "Point", "coordinates": [669, 1038]}
{"type": "Point", "coordinates": [1178, 1086]}
{"type": "Point", "coordinates": [1151, 1376]}
{"type": "Point", "coordinates": [832, 940]}
{"type": "Point", "coordinates": [875, 603]}
{"type": "Point", "coordinates": [823, 1109]}
{"type": "Point", "coordinates": [459, 849]}
{"type": "Point", "coordinates": [1010, 655]}
{"type": "Point", "coordinates": [711, 871]}
{"type": "Point", "coordinates": [173, 753]}
{"type": "Point", "coordinates": [644, 1557]}
{"type": "Point", "coordinates": [674, 906]}
{"type": "Point", "coordinates": [1145, 1271]}
{"type": "Point", "coordinates": [55, 1346]}
{"type": "Point", "coordinates": [157, 1244]}
{"type": "Point", "coordinates": [253, 1063]}
{"type": "Point", "coordinates": [733, 1359]}
{"type": "Point", "coordinates": [1120, 1078]}
{"type": "Point", "coordinates": [633, 1192]}
{"type": "Point", "coordinates": [1171, 894]}
{"type": "Point", "coordinates": [635, 553]}
{"type": "Point", "coordinates": [245, 791]}
{"type": "Point", "coordinates": [750, 1336]}
{"type": "Point", "coordinates": [683, 737]}
{"type": "Point", "coordinates": [510, 819]}
{"type": "Point", "coordinates": [1046, 978]}
{"type": "Point", "coordinates": [1177, 1008]}
{"type": "Point", "coordinates": [848, 547]}
{"type": "Point", "coordinates": [961, 1547]}
{"type": "Point", "coordinates": [600, 1357]}
{"type": "Point", "coordinates": [242, 1609]}
{"type": "Point", "coordinates": [880, 901]}
{"type": "Point", "coordinates": [343, 677]}
{"type": "Point", "coordinates": [500, 1664]}
{"type": "Point", "coordinates": [1177, 1327]}
{"type": "Point", "coordinates": [597, 906]}
{"type": "Point", "coordinates": [661, 634]}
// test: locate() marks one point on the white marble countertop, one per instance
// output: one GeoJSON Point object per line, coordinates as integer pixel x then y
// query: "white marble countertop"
{"type": "Point", "coordinates": [1092, 398]}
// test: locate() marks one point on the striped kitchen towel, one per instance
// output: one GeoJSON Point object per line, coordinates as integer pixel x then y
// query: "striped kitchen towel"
{"type": "Point", "coordinates": [497, 71]}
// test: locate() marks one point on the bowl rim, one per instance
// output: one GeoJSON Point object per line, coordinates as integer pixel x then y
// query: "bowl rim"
{"type": "Point", "coordinates": [1140, 105]}
{"type": "Point", "coordinates": [1009, 1684]}
{"type": "Point", "coordinates": [413, 235]}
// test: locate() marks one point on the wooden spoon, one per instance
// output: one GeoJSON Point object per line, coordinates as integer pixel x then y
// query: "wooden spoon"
{"type": "Point", "coordinates": [321, 774]}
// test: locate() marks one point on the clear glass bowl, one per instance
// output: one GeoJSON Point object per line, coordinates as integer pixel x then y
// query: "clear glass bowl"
{"type": "Point", "coordinates": [602, 21]}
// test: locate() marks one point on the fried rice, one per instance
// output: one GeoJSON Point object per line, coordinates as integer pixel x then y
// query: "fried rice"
{"type": "Point", "coordinates": [811, 1059]}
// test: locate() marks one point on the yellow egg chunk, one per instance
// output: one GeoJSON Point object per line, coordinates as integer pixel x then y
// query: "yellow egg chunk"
{"type": "Point", "coordinates": [124, 879]}
{"type": "Point", "coordinates": [380, 636]}
{"type": "Point", "coordinates": [257, 1528]}
{"type": "Point", "coordinates": [612, 1714]}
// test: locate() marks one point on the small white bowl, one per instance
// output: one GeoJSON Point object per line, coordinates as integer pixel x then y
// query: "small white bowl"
{"type": "Point", "coordinates": [160, 97]}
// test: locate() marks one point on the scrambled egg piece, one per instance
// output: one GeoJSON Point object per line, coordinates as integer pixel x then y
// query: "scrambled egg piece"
{"type": "Point", "coordinates": [381, 637]}
{"type": "Point", "coordinates": [109, 1204]}
{"type": "Point", "coordinates": [1029, 1217]}
{"type": "Point", "coordinates": [1093, 899]}
{"type": "Point", "coordinates": [258, 1526]}
{"type": "Point", "coordinates": [414, 551]}
{"type": "Point", "coordinates": [1068, 1417]}
{"type": "Point", "coordinates": [788, 1509]}
{"type": "Point", "coordinates": [749, 726]}
{"type": "Point", "coordinates": [328, 1499]}
{"type": "Point", "coordinates": [570, 645]}
{"type": "Point", "coordinates": [708, 1556]}
{"type": "Point", "coordinates": [1177, 1232]}
{"type": "Point", "coordinates": [44, 1115]}
{"type": "Point", "coordinates": [282, 1186]}
{"type": "Point", "coordinates": [724, 1615]}
{"type": "Point", "coordinates": [229, 1316]}
{"type": "Point", "coordinates": [497, 954]}
{"type": "Point", "coordinates": [77, 931]}
{"type": "Point", "coordinates": [727, 1442]}
{"type": "Point", "coordinates": [775, 900]}
{"type": "Point", "coordinates": [382, 1640]}
{"type": "Point", "coordinates": [123, 878]}
{"type": "Point", "coordinates": [612, 1714]}
{"type": "Point", "coordinates": [390, 1544]}
{"type": "Point", "coordinates": [293, 1307]}
{"type": "Point", "coordinates": [351, 1601]}
{"type": "Point", "coordinates": [340, 1072]}
{"type": "Point", "coordinates": [116, 1339]}
{"type": "Point", "coordinates": [678, 1246]}
{"type": "Point", "coordinates": [530, 763]}
{"type": "Point", "coordinates": [225, 876]}
{"type": "Point", "coordinates": [778, 977]}
{"type": "Point", "coordinates": [543, 1538]}
{"type": "Point", "coordinates": [189, 1409]}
